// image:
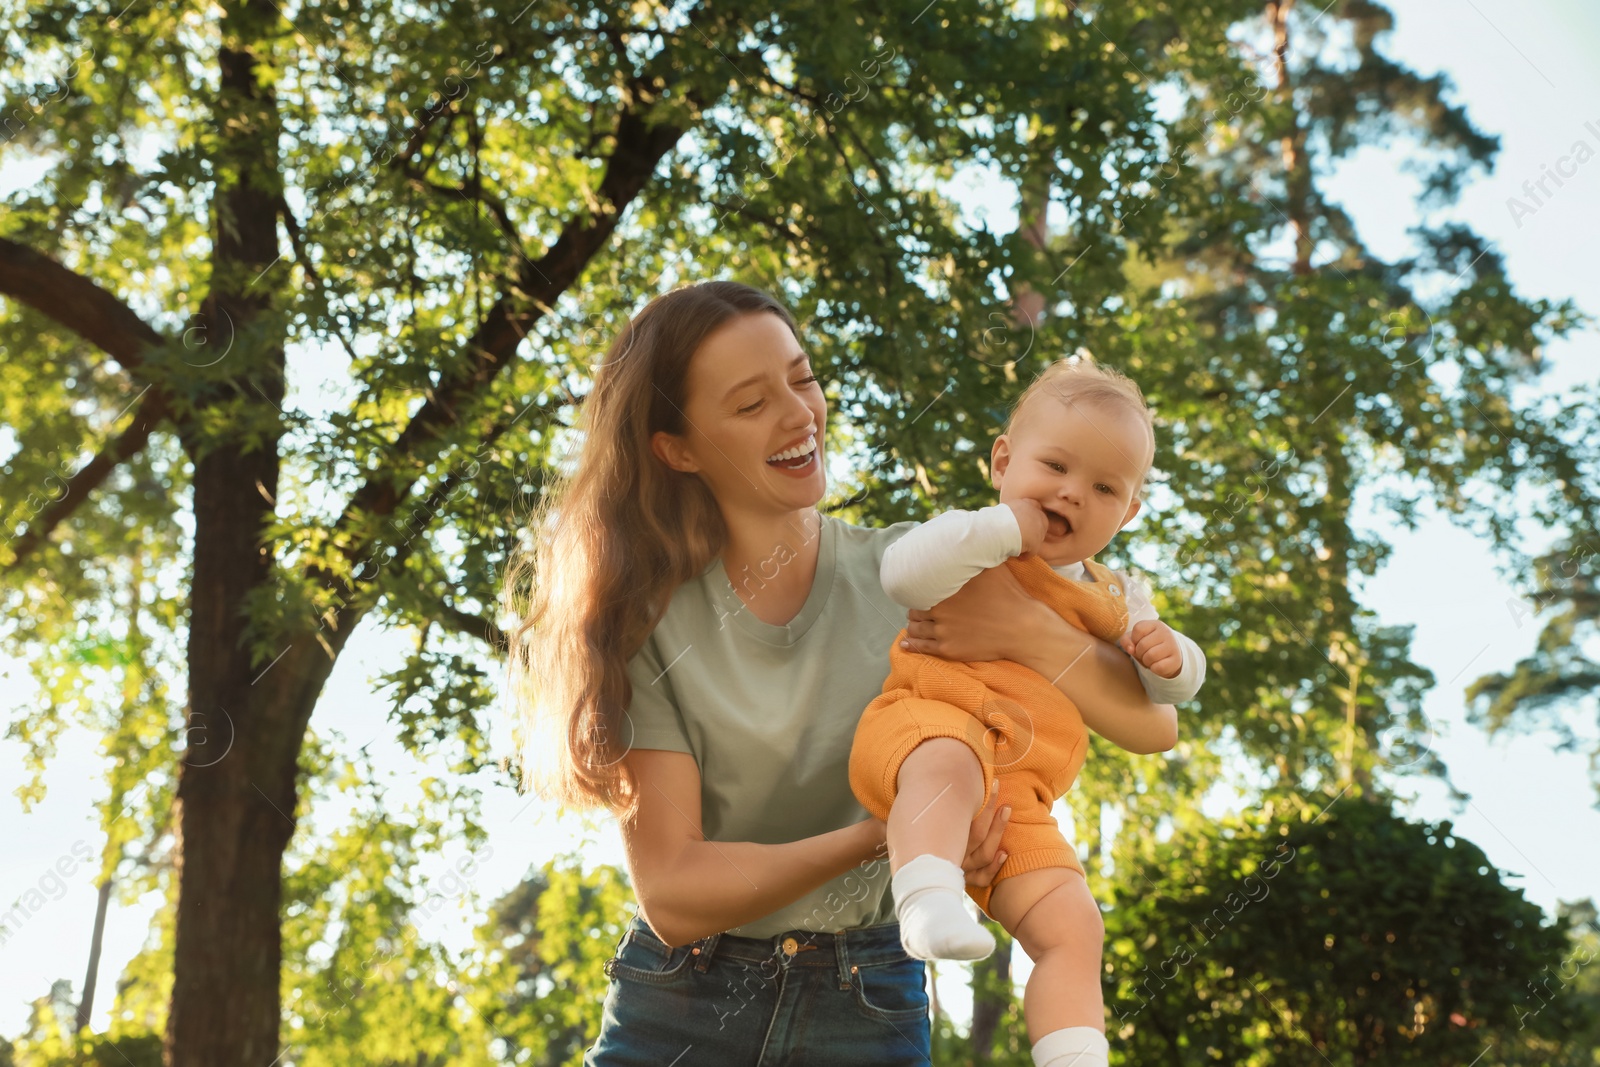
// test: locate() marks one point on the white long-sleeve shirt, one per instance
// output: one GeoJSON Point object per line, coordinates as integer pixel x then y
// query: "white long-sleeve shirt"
{"type": "Point", "coordinates": [934, 560]}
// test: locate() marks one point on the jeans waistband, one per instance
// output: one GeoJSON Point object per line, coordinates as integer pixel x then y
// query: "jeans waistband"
{"type": "Point", "coordinates": [844, 950]}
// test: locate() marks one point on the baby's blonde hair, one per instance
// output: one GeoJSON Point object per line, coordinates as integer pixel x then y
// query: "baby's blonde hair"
{"type": "Point", "coordinates": [1078, 378]}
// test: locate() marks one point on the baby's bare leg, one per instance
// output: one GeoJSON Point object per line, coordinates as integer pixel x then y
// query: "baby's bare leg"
{"type": "Point", "coordinates": [938, 790]}
{"type": "Point", "coordinates": [1054, 918]}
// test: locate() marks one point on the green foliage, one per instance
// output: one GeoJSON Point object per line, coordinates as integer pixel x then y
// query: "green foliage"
{"type": "Point", "coordinates": [536, 978]}
{"type": "Point", "coordinates": [1370, 938]}
{"type": "Point", "coordinates": [438, 166]}
{"type": "Point", "coordinates": [361, 984]}
{"type": "Point", "coordinates": [438, 697]}
{"type": "Point", "coordinates": [1560, 676]}
{"type": "Point", "coordinates": [1574, 985]}
{"type": "Point", "coordinates": [49, 1042]}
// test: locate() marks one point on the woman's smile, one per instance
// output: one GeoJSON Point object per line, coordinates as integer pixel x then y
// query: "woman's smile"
{"type": "Point", "coordinates": [798, 459]}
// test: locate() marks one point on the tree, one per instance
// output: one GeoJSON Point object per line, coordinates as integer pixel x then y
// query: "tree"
{"type": "Point", "coordinates": [1577, 980]}
{"type": "Point", "coordinates": [1369, 937]}
{"type": "Point", "coordinates": [537, 981]}
{"type": "Point", "coordinates": [1295, 372]}
{"type": "Point", "coordinates": [53, 1039]}
{"type": "Point", "coordinates": [463, 203]}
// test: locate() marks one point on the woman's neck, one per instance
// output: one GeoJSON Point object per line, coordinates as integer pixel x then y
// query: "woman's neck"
{"type": "Point", "coordinates": [772, 561]}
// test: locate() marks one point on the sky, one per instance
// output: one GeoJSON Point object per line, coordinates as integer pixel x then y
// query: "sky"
{"type": "Point", "coordinates": [1523, 72]}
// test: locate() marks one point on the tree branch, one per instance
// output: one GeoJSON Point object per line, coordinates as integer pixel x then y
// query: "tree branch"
{"type": "Point", "coordinates": [464, 622]}
{"type": "Point", "coordinates": [640, 147]}
{"type": "Point", "coordinates": [76, 302]}
{"type": "Point", "coordinates": [297, 243]}
{"type": "Point", "coordinates": [473, 191]}
{"type": "Point", "coordinates": [83, 306]}
{"type": "Point", "coordinates": [92, 474]}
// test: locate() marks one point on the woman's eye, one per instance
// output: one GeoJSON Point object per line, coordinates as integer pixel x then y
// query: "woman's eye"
{"type": "Point", "coordinates": [807, 381]}
{"type": "Point", "coordinates": [749, 408]}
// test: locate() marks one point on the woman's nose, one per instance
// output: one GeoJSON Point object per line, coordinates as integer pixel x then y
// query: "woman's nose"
{"type": "Point", "coordinates": [798, 413]}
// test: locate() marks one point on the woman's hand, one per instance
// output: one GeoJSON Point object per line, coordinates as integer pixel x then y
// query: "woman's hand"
{"type": "Point", "coordinates": [990, 617]}
{"type": "Point", "coordinates": [983, 859]}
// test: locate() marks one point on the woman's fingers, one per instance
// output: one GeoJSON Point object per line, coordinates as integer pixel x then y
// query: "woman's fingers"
{"type": "Point", "coordinates": [990, 871]}
{"type": "Point", "coordinates": [920, 635]}
{"type": "Point", "coordinates": [984, 857]}
{"type": "Point", "coordinates": [978, 853]}
{"type": "Point", "coordinates": [983, 823]}
{"type": "Point", "coordinates": [985, 618]}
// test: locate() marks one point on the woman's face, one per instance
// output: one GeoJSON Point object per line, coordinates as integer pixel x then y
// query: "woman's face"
{"type": "Point", "coordinates": [751, 396]}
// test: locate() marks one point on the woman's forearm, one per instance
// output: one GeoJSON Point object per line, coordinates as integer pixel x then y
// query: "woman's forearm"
{"type": "Point", "coordinates": [1101, 680]}
{"type": "Point", "coordinates": [717, 885]}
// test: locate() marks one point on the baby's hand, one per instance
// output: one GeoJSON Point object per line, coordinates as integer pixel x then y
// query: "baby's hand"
{"type": "Point", "coordinates": [1153, 644]}
{"type": "Point", "coordinates": [1035, 524]}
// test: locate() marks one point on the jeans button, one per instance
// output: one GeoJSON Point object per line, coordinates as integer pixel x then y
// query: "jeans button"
{"type": "Point", "coordinates": [790, 946]}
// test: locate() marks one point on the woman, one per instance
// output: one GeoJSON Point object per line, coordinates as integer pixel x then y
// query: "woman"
{"type": "Point", "coordinates": [699, 644]}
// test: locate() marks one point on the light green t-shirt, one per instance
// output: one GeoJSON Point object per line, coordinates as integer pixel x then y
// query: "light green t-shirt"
{"type": "Point", "coordinates": [769, 712]}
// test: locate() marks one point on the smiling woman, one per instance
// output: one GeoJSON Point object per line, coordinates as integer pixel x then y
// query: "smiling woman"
{"type": "Point", "coordinates": [716, 718]}
{"type": "Point", "coordinates": [770, 417]}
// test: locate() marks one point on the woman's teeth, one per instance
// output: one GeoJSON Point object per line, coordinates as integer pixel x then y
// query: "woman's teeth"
{"type": "Point", "coordinates": [801, 452]}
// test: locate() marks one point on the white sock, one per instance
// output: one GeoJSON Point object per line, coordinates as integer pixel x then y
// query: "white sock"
{"type": "Point", "coordinates": [1074, 1046]}
{"type": "Point", "coordinates": [934, 922]}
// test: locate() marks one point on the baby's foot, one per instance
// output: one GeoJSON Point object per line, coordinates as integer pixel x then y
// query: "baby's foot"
{"type": "Point", "coordinates": [934, 923]}
{"type": "Point", "coordinates": [1075, 1046]}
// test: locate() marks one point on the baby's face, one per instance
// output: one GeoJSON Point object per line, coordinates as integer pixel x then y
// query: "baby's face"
{"type": "Point", "coordinates": [1082, 462]}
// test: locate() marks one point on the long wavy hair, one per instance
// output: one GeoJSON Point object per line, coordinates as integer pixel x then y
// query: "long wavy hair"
{"type": "Point", "coordinates": [604, 549]}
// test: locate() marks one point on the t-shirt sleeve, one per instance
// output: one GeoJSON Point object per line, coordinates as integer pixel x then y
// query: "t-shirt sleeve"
{"type": "Point", "coordinates": [653, 716]}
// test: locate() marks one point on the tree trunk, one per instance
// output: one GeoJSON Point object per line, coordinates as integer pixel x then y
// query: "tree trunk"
{"type": "Point", "coordinates": [991, 996]}
{"type": "Point", "coordinates": [1296, 167]}
{"type": "Point", "coordinates": [1344, 650]}
{"type": "Point", "coordinates": [1028, 306]}
{"type": "Point", "coordinates": [236, 793]}
{"type": "Point", "coordinates": [1345, 647]}
{"type": "Point", "coordinates": [86, 1005]}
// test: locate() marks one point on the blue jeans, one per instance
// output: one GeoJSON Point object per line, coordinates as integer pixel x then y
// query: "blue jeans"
{"type": "Point", "coordinates": [799, 999]}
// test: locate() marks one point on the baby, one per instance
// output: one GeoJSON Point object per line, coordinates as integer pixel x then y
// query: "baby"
{"type": "Point", "coordinates": [1069, 467]}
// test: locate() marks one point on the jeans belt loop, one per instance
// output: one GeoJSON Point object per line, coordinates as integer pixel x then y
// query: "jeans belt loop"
{"type": "Point", "coordinates": [843, 954]}
{"type": "Point", "coordinates": [616, 950]}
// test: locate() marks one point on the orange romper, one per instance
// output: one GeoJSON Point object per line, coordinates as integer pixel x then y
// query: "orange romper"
{"type": "Point", "coordinates": [1021, 727]}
